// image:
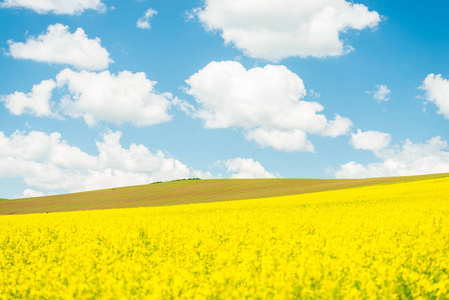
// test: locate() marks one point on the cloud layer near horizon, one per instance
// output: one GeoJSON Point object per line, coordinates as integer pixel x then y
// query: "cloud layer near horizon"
{"type": "Point", "coordinates": [46, 162]}
{"type": "Point", "coordinates": [403, 159]}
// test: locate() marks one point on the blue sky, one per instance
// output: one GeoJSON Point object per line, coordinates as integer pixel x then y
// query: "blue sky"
{"type": "Point", "coordinates": [292, 89]}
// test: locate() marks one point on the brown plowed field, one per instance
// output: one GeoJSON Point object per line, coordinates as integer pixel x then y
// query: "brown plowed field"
{"type": "Point", "coordinates": [188, 191]}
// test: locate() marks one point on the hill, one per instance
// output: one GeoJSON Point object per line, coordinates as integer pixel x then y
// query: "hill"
{"type": "Point", "coordinates": [385, 241]}
{"type": "Point", "coordinates": [189, 191]}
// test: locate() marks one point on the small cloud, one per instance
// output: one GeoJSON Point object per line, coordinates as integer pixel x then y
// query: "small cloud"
{"type": "Point", "coordinates": [190, 15]}
{"type": "Point", "coordinates": [59, 46]}
{"type": "Point", "coordinates": [37, 102]}
{"type": "Point", "coordinates": [382, 93]}
{"type": "Point", "coordinates": [28, 193]}
{"type": "Point", "coordinates": [370, 140]}
{"type": "Point", "coordinates": [239, 168]}
{"type": "Point", "coordinates": [183, 105]}
{"type": "Point", "coordinates": [144, 22]}
{"type": "Point", "coordinates": [437, 91]}
{"type": "Point", "coordinates": [122, 48]}
{"type": "Point", "coordinates": [314, 94]}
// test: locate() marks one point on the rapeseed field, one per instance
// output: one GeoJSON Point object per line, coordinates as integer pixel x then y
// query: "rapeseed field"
{"type": "Point", "coordinates": [378, 242]}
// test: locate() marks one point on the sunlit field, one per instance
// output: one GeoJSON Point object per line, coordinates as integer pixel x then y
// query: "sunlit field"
{"type": "Point", "coordinates": [385, 241]}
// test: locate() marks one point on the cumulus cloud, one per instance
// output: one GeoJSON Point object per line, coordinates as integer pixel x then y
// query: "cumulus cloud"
{"type": "Point", "coordinates": [245, 168]}
{"type": "Point", "coordinates": [381, 94]}
{"type": "Point", "coordinates": [59, 46]}
{"type": "Point", "coordinates": [274, 30]}
{"type": "Point", "coordinates": [115, 98]}
{"type": "Point", "coordinates": [437, 91]}
{"type": "Point", "coordinates": [37, 102]}
{"type": "Point", "coordinates": [402, 160]}
{"type": "Point", "coordinates": [370, 140]}
{"type": "Point", "coordinates": [47, 162]}
{"type": "Point", "coordinates": [264, 102]}
{"type": "Point", "coordinates": [123, 98]}
{"type": "Point", "coordinates": [57, 7]}
{"type": "Point", "coordinates": [144, 22]}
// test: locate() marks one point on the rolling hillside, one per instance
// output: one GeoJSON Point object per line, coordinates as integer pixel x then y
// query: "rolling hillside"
{"type": "Point", "coordinates": [385, 241]}
{"type": "Point", "coordinates": [188, 191]}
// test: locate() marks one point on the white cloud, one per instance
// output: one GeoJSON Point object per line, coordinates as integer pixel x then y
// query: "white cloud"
{"type": "Point", "coordinates": [57, 7]}
{"type": "Point", "coordinates": [381, 94]}
{"type": "Point", "coordinates": [283, 140]}
{"type": "Point", "coordinates": [437, 91]}
{"type": "Point", "coordinates": [115, 98]}
{"type": "Point", "coordinates": [28, 193]}
{"type": "Point", "coordinates": [46, 162]}
{"type": "Point", "coordinates": [59, 46]}
{"type": "Point", "coordinates": [370, 140]}
{"type": "Point", "coordinates": [144, 22]}
{"type": "Point", "coordinates": [402, 160]}
{"type": "Point", "coordinates": [264, 102]}
{"type": "Point", "coordinates": [123, 98]}
{"type": "Point", "coordinates": [314, 94]}
{"type": "Point", "coordinates": [189, 15]}
{"type": "Point", "coordinates": [36, 103]}
{"type": "Point", "coordinates": [245, 168]}
{"type": "Point", "coordinates": [274, 30]}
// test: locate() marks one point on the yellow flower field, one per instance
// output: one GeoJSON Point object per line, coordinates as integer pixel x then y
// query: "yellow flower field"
{"type": "Point", "coordinates": [378, 242]}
